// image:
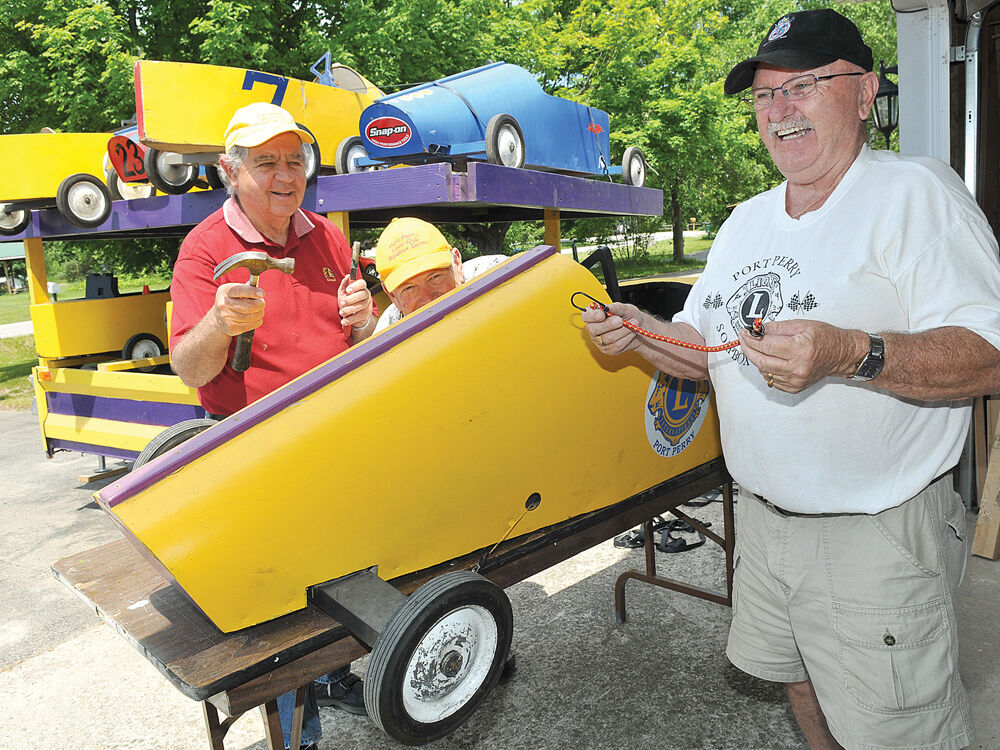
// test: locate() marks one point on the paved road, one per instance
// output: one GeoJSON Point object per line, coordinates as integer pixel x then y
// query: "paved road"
{"type": "Point", "coordinates": [584, 682]}
{"type": "Point", "coordinates": [10, 330]}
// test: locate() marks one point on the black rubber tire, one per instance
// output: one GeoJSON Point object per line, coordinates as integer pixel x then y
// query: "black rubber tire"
{"type": "Point", "coordinates": [634, 167]}
{"type": "Point", "coordinates": [179, 182]}
{"type": "Point", "coordinates": [139, 342]}
{"type": "Point", "coordinates": [387, 676]}
{"type": "Point", "coordinates": [170, 438]}
{"type": "Point", "coordinates": [15, 222]}
{"type": "Point", "coordinates": [115, 185]}
{"type": "Point", "coordinates": [343, 162]}
{"type": "Point", "coordinates": [83, 200]}
{"type": "Point", "coordinates": [504, 142]}
{"type": "Point", "coordinates": [215, 177]}
{"type": "Point", "coordinates": [312, 156]}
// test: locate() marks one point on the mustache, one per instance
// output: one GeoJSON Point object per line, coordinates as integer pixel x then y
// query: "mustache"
{"type": "Point", "coordinates": [797, 123]}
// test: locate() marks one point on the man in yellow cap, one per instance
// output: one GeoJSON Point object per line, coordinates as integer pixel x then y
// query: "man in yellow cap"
{"type": "Point", "coordinates": [308, 311]}
{"type": "Point", "coordinates": [417, 265]}
{"type": "Point", "coordinates": [312, 315]}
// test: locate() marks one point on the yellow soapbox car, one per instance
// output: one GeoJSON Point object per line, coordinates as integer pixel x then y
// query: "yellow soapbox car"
{"type": "Point", "coordinates": [486, 415]}
{"type": "Point", "coordinates": [180, 136]}
{"type": "Point", "coordinates": [64, 170]}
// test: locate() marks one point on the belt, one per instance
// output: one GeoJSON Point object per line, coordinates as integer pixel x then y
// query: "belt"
{"type": "Point", "coordinates": [791, 513]}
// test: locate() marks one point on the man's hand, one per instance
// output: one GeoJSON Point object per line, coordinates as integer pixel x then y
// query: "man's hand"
{"type": "Point", "coordinates": [355, 303]}
{"type": "Point", "coordinates": [794, 354]}
{"type": "Point", "coordinates": [608, 332]}
{"type": "Point", "coordinates": [238, 308]}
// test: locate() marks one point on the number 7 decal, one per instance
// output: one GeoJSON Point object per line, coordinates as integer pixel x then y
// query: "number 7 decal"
{"type": "Point", "coordinates": [268, 79]}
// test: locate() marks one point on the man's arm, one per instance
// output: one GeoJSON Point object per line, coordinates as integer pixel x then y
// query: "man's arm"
{"type": "Point", "coordinates": [942, 364]}
{"type": "Point", "coordinates": [202, 352]}
{"type": "Point", "coordinates": [611, 336]}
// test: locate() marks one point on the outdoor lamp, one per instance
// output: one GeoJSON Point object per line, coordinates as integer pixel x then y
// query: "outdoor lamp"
{"type": "Point", "coordinates": [886, 109]}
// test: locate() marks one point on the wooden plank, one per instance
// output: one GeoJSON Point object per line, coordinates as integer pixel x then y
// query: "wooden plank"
{"type": "Point", "coordinates": [987, 540]}
{"type": "Point", "coordinates": [99, 475]}
{"type": "Point", "coordinates": [984, 422]}
{"type": "Point", "coordinates": [132, 364]}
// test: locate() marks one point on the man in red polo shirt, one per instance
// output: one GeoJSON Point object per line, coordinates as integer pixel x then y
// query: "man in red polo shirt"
{"type": "Point", "coordinates": [307, 312]}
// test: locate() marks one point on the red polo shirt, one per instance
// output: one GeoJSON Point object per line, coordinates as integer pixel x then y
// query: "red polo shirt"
{"type": "Point", "coordinates": [301, 327]}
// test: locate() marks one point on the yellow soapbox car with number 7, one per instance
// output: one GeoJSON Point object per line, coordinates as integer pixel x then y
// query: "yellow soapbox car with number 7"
{"type": "Point", "coordinates": [483, 416]}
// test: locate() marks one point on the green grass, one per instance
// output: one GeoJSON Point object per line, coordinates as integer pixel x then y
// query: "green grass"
{"type": "Point", "coordinates": [17, 357]}
{"type": "Point", "coordinates": [13, 307]}
{"type": "Point", "coordinates": [661, 260]}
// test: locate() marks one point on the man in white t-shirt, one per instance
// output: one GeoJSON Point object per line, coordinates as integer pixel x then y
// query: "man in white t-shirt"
{"type": "Point", "coordinates": [417, 265]}
{"type": "Point", "coordinates": [877, 280]}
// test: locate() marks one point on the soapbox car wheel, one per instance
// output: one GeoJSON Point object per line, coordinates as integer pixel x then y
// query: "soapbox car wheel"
{"type": "Point", "coordinates": [140, 346]}
{"type": "Point", "coordinates": [504, 141]}
{"type": "Point", "coordinates": [311, 151]}
{"type": "Point", "coordinates": [170, 438]}
{"type": "Point", "coordinates": [172, 179]}
{"type": "Point", "coordinates": [634, 167]}
{"type": "Point", "coordinates": [14, 221]}
{"type": "Point", "coordinates": [83, 200]}
{"type": "Point", "coordinates": [126, 191]}
{"type": "Point", "coordinates": [348, 150]}
{"type": "Point", "coordinates": [215, 177]}
{"type": "Point", "coordinates": [439, 655]}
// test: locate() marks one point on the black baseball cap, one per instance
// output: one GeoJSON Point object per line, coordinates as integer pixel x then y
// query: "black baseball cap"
{"type": "Point", "coordinates": [804, 40]}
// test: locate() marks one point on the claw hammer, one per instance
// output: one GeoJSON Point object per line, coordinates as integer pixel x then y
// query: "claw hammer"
{"type": "Point", "coordinates": [256, 263]}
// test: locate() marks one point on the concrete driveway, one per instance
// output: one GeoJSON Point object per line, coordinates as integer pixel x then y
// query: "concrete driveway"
{"type": "Point", "coordinates": [67, 680]}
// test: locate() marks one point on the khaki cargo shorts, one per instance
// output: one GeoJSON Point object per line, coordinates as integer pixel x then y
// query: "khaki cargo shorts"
{"type": "Point", "coordinates": [861, 605]}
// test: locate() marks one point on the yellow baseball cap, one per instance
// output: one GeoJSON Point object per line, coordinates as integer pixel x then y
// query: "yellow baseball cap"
{"type": "Point", "coordinates": [256, 123]}
{"type": "Point", "coordinates": [409, 247]}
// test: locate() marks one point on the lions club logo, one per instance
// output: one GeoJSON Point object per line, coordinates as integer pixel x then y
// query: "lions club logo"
{"type": "Point", "coordinates": [675, 411]}
{"type": "Point", "coordinates": [780, 29]}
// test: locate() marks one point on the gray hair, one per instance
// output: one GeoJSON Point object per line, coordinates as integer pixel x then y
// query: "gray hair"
{"type": "Point", "coordinates": [234, 158]}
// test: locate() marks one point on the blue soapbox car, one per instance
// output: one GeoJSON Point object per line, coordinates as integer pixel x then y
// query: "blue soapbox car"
{"type": "Point", "coordinates": [496, 113]}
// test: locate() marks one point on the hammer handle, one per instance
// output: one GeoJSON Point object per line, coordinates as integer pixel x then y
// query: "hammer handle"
{"type": "Point", "coordinates": [241, 357]}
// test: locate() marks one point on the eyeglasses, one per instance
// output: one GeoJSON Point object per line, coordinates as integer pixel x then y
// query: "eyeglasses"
{"type": "Point", "coordinates": [794, 88]}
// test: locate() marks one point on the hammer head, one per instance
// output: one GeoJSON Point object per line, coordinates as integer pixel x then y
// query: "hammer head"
{"type": "Point", "coordinates": [255, 262]}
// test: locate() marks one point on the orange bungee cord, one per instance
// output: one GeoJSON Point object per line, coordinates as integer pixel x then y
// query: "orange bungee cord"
{"type": "Point", "coordinates": [756, 331]}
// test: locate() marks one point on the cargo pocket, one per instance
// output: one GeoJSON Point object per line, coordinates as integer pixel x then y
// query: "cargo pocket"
{"type": "Point", "coordinates": [896, 661]}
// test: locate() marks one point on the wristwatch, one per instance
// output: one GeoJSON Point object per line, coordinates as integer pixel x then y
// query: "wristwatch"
{"type": "Point", "coordinates": [873, 362]}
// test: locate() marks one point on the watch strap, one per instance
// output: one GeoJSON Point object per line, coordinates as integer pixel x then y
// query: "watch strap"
{"type": "Point", "coordinates": [873, 362]}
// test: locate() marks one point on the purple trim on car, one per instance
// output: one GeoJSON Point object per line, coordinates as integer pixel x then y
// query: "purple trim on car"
{"type": "Point", "coordinates": [55, 444]}
{"type": "Point", "coordinates": [121, 409]}
{"type": "Point", "coordinates": [269, 405]}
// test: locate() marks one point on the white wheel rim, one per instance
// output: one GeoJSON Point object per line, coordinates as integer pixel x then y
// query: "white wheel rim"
{"type": "Point", "coordinates": [450, 664]}
{"type": "Point", "coordinates": [85, 201]}
{"type": "Point", "coordinates": [637, 170]}
{"type": "Point", "coordinates": [134, 190]}
{"type": "Point", "coordinates": [173, 174]}
{"type": "Point", "coordinates": [355, 152]}
{"type": "Point", "coordinates": [145, 348]}
{"type": "Point", "coordinates": [12, 219]}
{"type": "Point", "coordinates": [509, 147]}
{"type": "Point", "coordinates": [311, 166]}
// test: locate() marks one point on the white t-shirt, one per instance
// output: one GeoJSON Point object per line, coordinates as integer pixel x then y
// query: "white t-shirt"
{"type": "Point", "coordinates": [470, 269]}
{"type": "Point", "coordinates": [900, 245]}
